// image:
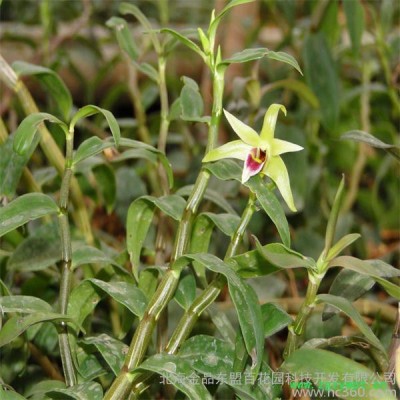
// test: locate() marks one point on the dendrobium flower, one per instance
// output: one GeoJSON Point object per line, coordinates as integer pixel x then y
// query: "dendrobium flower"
{"type": "Point", "coordinates": [260, 153]}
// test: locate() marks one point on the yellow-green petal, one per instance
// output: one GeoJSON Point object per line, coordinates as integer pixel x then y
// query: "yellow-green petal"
{"type": "Point", "coordinates": [268, 128]}
{"type": "Point", "coordinates": [282, 146]}
{"type": "Point", "coordinates": [236, 149]}
{"type": "Point", "coordinates": [247, 134]}
{"type": "Point", "coordinates": [276, 170]}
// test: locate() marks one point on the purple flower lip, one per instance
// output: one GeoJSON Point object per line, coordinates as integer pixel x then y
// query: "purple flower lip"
{"type": "Point", "coordinates": [254, 163]}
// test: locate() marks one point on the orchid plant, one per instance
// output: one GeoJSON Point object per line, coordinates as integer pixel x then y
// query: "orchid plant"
{"type": "Point", "coordinates": [260, 153]}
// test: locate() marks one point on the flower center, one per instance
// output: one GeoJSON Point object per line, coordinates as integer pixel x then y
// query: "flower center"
{"type": "Point", "coordinates": [258, 155]}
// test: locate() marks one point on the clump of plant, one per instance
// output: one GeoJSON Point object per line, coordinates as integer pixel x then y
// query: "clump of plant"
{"type": "Point", "coordinates": [145, 317]}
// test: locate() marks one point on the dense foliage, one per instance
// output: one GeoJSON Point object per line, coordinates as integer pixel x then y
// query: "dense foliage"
{"type": "Point", "coordinates": [199, 203]}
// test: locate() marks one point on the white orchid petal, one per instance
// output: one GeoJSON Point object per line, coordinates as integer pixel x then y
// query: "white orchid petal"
{"type": "Point", "coordinates": [236, 149]}
{"type": "Point", "coordinates": [276, 170]}
{"type": "Point", "coordinates": [268, 128]}
{"type": "Point", "coordinates": [282, 146]}
{"type": "Point", "coordinates": [247, 134]}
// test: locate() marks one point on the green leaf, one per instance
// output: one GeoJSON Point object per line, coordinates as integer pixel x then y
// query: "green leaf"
{"type": "Point", "coordinates": [345, 306]}
{"type": "Point", "coordinates": [271, 206]}
{"type": "Point", "coordinates": [106, 185]}
{"type": "Point", "coordinates": [38, 251]}
{"type": "Point", "coordinates": [246, 303]}
{"type": "Point", "coordinates": [12, 165]}
{"type": "Point", "coordinates": [25, 135]}
{"type": "Point", "coordinates": [186, 291]}
{"type": "Point", "coordinates": [226, 223]}
{"type": "Point", "coordinates": [124, 293]}
{"type": "Point", "coordinates": [321, 76]}
{"type": "Point", "coordinates": [83, 300]}
{"type": "Point", "coordinates": [275, 319]}
{"type": "Point", "coordinates": [23, 304]}
{"type": "Point", "coordinates": [303, 361]}
{"type": "Point", "coordinates": [283, 257]}
{"type": "Point", "coordinates": [246, 55]}
{"type": "Point", "coordinates": [140, 215]}
{"type": "Point", "coordinates": [391, 288]}
{"type": "Point", "coordinates": [333, 218]}
{"type": "Point", "coordinates": [344, 242]}
{"type": "Point", "coordinates": [9, 394]}
{"type": "Point", "coordinates": [350, 285]}
{"type": "Point", "coordinates": [225, 170]}
{"type": "Point", "coordinates": [127, 8]}
{"type": "Point", "coordinates": [355, 17]}
{"type": "Point", "coordinates": [15, 326]}
{"type": "Point", "coordinates": [52, 83]}
{"type": "Point", "coordinates": [173, 368]}
{"type": "Point", "coordinates": [216, 21]}
{"type": "Point", "coordinates": [95, 145]}
{"type": "Point", "coordinates": [149, 71]}
{"type": "Point", "coordinates": [251, 264]}
{"type": "Point", "coordinates": [81, 391]}
{"type": "Point", "coordinates": [90, 255]}
{"type": "Point", "coordinates": [124, 36]}
{"type": "Point", "coordinates": [285, 58]}
{"type": "Point", "coordinates": [211, 195]}
{"type": "Point", "coordinates": [172, 205]}
{"type": "Point", "coordinates": [364, 137]}
{"type": "Point", "coordinates": [38, 390]}
{"type": "Point", "coordinates": [191, 102]}
{"type": "Point", "coordinates": [199, 243]}
{"type": "Point", "coordinates": [373, 268]}
{"type": "Point", "coordinates": [208, 355]}
{"type": "Point", "coordinates": [148, 280]}
{"type": "Point", "coordinates": [184, 40]}
{"type": "Point", "coordinates": [112, 350]}
{"type": "Point", "coordinates": [24, 209]}
{"type": "Point", "coordinates": [89, 110]}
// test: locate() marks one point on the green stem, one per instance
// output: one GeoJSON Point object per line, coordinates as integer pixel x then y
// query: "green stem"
{"type": "Point", "coordinates": [66, 271]}
{"type": "Point", "coordinates": [296, 329]}
{"type": "Point", "coordinates": [207, 297]}
{"type": "Point", "coordinates": [141, 339]}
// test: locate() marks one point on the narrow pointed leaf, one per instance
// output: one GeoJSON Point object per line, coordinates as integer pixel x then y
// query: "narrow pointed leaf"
{"type": "Point", "coordinates": [355, 18]}
{"type": "Point", "coordinates": [225, 170]}
{"type": "Point", "coordinates": [344, 242]}
{"type": "Point", "coordinates": [90, 255]}
{"type": "Point", "coordinates": [303, 361]}
{"type": "Point", "coordinates": [124, 293]}
{"type": "Point", "coordinates": [23, 304]}
{"type": "Point", "coordinates": [392, 289]}
{"type": "Point", "coordinates": [149, 71]}
{"type": "Point", "coordinates": [51, 81]}
{"type": "Point", "coordinates": [112, 350]}
{"type": "Point", "coordinates": [246, 304]}
{"type": "Point", "coordinates": [15, 326]}
{"type": "Point", "coordinates": [140, 215]}
{"type": "Point", "coordinates": [186, 291]}
{"type": "Point", "coordinates": [345, 306]}
{"type": "Point", "coordinates": [285, 58]}
{"type": "Point", "coordinates": [184, 40]}
{"type": "Point", "coordinates": [373, 268]}
{"type": "Point", "coordinates": [81, 391]}
{"type": "Point", "coordinates": [24, 209]}
{"type": "Point", "coordinates": [89, 110]}
{"type": "Point", "coordinates": [226, 223]}
{"type": "Point", "coordinates": [364, 137]}
{"type": "Point", "coordinates": [25, 135]}
{"type": "Point", "coordinates": [246, 55]}
{"type": "Point", "coordinates": [124, 36]}
{"type": "Point", "coordinates": [271, 206]}
{"type": "Point", "coordinates": [283, 257]}
{"type": "Point", "coordinates": [275, 319]}
{"type": "Point", "coordinates": [173, 368]}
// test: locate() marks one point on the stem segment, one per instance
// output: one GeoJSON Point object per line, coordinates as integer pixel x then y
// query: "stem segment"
{"type": "Point", "coordinates": [141, 339]}
{"type": "Point", "coordinates": [66, 272]}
